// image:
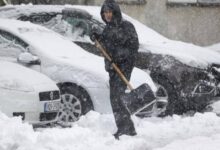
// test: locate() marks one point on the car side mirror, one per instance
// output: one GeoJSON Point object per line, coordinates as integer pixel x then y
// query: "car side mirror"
{"type": "Point", "coordinates": [28, 59]}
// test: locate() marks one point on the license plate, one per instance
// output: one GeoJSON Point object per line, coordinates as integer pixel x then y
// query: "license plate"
{"type": "Point", "coordinates": [51, 106]}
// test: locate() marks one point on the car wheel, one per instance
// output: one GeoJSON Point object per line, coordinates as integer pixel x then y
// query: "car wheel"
{"type": "Point", "coordinates": [157, 108]}
{"type": "Point", "coordinates": [162, 100]}
{"type": "Point", "coordinates": [174, 104]}
{"type": "Point", "coordinates": [75, 102]}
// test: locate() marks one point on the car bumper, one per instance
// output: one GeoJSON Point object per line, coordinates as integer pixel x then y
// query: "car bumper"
{"type": "Point", "coordinates": [28, 106]}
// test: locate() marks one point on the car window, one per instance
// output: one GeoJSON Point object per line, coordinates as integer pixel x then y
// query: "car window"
{"type": "Point", "coordinates": [6, 35]}
{"type": "Point", "coordinates": [83, 26]}
{"type": "Point", "coordinates": [81, 21]}
{"type": "Point", "coordinates": [11, 46]}
{"type": "Point", "coordinates": [78, 25]}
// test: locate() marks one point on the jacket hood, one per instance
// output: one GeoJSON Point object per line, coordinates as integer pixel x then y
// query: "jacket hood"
{"type": "Point", "coordinates": [112, 5]}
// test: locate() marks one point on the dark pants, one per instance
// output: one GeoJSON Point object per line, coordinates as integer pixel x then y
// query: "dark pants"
{"type": "Point", "coordinates": [117, 88]}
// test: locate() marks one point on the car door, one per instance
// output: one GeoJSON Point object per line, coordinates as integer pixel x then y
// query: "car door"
{"type": "Point", "coordinates": [11, 47]}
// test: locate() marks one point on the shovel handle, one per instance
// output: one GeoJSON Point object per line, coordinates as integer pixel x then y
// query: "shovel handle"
{"type": "Point", "coordinates": [98, 45]}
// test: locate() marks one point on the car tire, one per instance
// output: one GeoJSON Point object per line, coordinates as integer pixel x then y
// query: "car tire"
{"type": "Point", "coordinates": [158, 107]}
{"type": "Point", "coordinates": [75, 102]}
{"type": "Point", "coordinates": [174, 105]}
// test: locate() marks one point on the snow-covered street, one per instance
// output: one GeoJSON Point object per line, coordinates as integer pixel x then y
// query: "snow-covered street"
{"type": "Point", "coordinates": [74, 84]}
{"type": "Point", "coordinates": [94, 132]}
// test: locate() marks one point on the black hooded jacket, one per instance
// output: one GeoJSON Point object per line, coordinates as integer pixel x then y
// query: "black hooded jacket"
{"type": "Point", "coordinates": [119, 37]}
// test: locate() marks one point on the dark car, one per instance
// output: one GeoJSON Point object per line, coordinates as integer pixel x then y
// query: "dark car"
{"type": "Point", "coordinates": [187, 74]}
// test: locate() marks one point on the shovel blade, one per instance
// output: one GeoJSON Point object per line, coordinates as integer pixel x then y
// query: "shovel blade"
{"type": "Point", "coordinates": [138, 98]}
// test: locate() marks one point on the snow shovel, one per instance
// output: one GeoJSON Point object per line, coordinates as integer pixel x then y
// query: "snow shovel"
{"type": "Point", "coordinates": [139, 98]}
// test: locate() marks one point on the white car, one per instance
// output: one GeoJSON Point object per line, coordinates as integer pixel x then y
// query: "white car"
{"type": "Point", "coordinates": [80, 75]}
{"type": "Point", "coordinates": [27, 93]}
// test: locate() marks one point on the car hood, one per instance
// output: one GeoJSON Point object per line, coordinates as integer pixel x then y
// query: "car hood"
{"type": "Point", "coordinates": [17, 77]}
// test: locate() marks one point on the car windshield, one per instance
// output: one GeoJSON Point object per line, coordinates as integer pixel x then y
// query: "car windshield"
{"type": "Point", "coordinates": [80, 28]}
{"type": "Point", "coordinates": [78, 25]}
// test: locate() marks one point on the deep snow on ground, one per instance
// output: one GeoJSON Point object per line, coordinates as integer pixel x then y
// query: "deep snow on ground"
{"type": "Point", "coordinates": [94, 132]}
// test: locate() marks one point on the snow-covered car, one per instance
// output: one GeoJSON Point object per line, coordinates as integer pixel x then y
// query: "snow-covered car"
{"type": "Point", "coordinates": [80, 75]}
{"type": "Point", "coordinates": [186, 73]}
{"type": "Point", "coordinates": [29, 94]}
{"type": "Point", "coordinates": [215, 47]}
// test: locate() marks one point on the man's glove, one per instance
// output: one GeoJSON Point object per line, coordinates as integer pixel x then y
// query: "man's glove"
{"type": "Point", "coordinates": [94, 36]}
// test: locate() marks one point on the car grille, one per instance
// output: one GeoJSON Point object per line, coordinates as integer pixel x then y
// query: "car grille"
{"type": "Point", "coordinates": [49, 96]}
{"type": "Point", "coordinates": [48, 116]}
{"type": "Point", "coordinates": [22, 114]}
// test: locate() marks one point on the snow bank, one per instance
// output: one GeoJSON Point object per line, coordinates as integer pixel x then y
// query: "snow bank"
{"type": "Point", "coordinates": [94, 131]}
{"type": "Point", "coordinates": [15, 134]}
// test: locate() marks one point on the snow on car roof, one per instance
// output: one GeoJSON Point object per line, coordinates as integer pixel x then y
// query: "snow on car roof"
{"type": "Point", "coordinates": [17, 77]}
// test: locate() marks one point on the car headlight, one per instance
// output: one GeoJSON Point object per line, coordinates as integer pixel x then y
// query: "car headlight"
{"type": "Point", "coordinates": [204, 88]}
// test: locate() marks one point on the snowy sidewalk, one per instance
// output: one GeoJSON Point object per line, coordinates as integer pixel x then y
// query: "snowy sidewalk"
{"type": "Point", "coordinates": [94, 132]}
